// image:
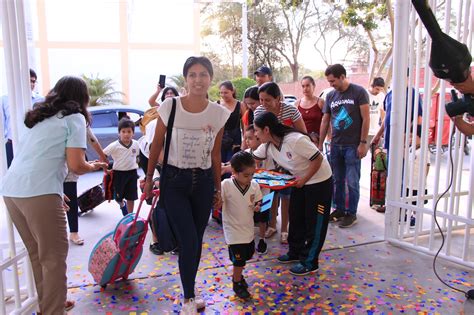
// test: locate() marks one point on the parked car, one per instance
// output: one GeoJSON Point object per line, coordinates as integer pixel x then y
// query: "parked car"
{"type": "Point", "coordinates": [290, 99]}
{"type": "Point", "coordinates": [104, 124]}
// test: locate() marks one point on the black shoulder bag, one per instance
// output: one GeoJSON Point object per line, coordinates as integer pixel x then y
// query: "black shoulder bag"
{"type": "Point", "coordinates": [161, 225]}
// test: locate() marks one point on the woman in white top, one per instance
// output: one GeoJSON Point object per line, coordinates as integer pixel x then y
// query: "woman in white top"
{"type": "Point", "coordinates": [192, 177]}
{"type": "Point", "coordinates": [310, 200]}
{"type": "Point", "coordinates": [33, 185]}
{"type": "Point", "coordinates": [271, 100]}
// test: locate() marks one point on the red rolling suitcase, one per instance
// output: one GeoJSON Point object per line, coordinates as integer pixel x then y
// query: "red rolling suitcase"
{"type": "Point", "coordinates": [378, 177]}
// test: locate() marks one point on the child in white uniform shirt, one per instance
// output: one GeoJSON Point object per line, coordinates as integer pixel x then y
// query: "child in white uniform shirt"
{"type": "Point", "coordinates": [240, 200]}
{"type": "Point", "coordinates": [125, 153]}
{"type": "Point", "coordinates": [261, 218]}
{"type": "Point", "coordinates": [310, 199]}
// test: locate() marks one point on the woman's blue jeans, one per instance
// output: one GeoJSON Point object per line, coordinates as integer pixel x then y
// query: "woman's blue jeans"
{"type": "Point", "coordinates": [346, 170]}
{"type": "Point", "coordinates": [188, 197]}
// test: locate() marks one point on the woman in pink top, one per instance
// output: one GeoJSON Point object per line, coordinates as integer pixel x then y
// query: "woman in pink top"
{"type": "Point", "coordinates": [310, 107]}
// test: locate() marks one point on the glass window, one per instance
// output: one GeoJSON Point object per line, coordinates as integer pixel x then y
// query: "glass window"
{"type": "Point", "coordinates": [104, 120]}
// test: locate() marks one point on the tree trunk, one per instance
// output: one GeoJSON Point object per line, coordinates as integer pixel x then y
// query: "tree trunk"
{"type": "Point", "coordinates": [294, 70]}
{"type": "Point", "coordinates": [385, 59]}
{"type": "Point", "coordinates": [376, 54]}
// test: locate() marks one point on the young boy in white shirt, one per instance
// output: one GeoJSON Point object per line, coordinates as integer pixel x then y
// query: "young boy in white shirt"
{"type": "Point", "coordinates": [261, 218]}
{"type": "Point", "coordinates": [241, 197]}
{"type": "Point", "coordinates": [125, 152]}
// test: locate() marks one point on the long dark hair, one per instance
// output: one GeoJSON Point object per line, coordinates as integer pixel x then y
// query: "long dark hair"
{"type": "Point", "coordinates": [69, 96]}
{"type": "Point", "coordinates": [268, 119]}
{"type": "Point", "coordinates": [229, 86]}
{"type": "Point", "coordinates": [166, 89]}
{"type": "Point", "coordinates": [203, 61]}
{"type": "Point", "coordinates": [252, 92]}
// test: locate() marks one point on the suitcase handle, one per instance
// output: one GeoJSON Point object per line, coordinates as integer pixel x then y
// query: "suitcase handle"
{"type": "Point", "coordinates": [155, 193]}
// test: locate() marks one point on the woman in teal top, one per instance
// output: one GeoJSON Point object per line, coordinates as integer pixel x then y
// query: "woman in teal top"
{"type": "Point", "coordinates": [33, 185]}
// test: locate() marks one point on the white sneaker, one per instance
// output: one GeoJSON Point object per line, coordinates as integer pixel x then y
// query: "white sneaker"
{"type": "Point", "coordinates": [200, 302]}
{"type": "Point", "coordinates": [189, 308]}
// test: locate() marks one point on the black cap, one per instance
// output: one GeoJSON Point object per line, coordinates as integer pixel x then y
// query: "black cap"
{"type": "Point", "coordinates": [263, 70]}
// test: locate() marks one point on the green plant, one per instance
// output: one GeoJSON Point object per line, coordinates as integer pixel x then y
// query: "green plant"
{"type": "Point", "coordinates": [179, 81]}
{"type": "Point", "coordinates": [101, 91]}
{"type": "Point", "coordinates": [213, 93]}
{"type": "Point", "coordinates": [241, 84]}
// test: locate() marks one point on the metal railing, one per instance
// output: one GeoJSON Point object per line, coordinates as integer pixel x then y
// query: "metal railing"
{"type": "Point", "coordinates": [17, 289]}
{"type": "Point", "coordinates": [454, 210]}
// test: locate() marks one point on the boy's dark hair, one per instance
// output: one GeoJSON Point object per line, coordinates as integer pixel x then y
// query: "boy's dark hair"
{"type": "Point", "coordinates": [378, 81]}
{"type": "Point", "coordinates": [336, 70]}
{"type": "Point", "coordinates": [33, 74]}
{"type": "Point", "coordinates": [241, 160]}
{"type": "Point", "coordinates": [250, 128]}
{"type": "Point", "coordinates": [126, 123]}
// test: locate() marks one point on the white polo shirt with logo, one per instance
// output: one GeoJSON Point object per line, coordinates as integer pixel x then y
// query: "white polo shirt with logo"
{"type": "Point", "coordinates": [294, 154]}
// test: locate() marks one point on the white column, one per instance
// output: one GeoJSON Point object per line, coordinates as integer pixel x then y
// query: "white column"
{"type": "Point", "coordinates": [400, 56]}
{"type": "Point", "coordinates": [17, 68]}
{"type": "Point", "coordinates": [245, 45]}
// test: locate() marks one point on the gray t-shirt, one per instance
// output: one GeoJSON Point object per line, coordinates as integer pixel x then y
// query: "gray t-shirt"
{"type": "Point", "coordinates": [346, 120]}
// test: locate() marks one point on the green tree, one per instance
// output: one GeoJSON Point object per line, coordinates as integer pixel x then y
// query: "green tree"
{"type": "Point", "coordinates": [241, 84]}
{"type": "Point", "coordinates": [179, 81]}
{"type": "Point", "coordinates": [224, 21]}
{"type": "Point", "coordinates": [263, 33]}
{"type": "Point", "coordinates": [102, 91]}
{"type": "Point", "coordinates": [331, 36]}
{"type": "Point", "coordinates": [298, 20]}
{"type": "Point", "coordinates": [222, 25]}
{"type": "Point", "coordinates": [370, 15]}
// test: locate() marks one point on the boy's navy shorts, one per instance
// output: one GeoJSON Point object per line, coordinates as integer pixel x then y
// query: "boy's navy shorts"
{"type": "Point", "coordinates": [240, 253]}
{"type": "Point", "coordinates": [125, 185]}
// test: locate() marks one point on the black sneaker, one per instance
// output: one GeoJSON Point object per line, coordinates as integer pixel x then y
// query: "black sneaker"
{"type": "Point", "coordinates": [336, 215]}
{"type": "Point", "coordinates": [286, 259]}
{"type": "Point", "coordinates": [301, 270]}
{"type": "Point", "coordinates": [244, 283]}
{"type": "Point", "coordinates": [240, 290]}
{"type": "Point", "coordinates": [124, 209]}
{"type": "Point", "coordinates": [175, 251]}
{"type": "Point", "coordinates": [155, 249]}
{"type": "Point", "coordinates": [262, 247]}
{"type": "Point", "coordinates": [412, 221]}
{"type": "Point", "coordinates": [348, 220]}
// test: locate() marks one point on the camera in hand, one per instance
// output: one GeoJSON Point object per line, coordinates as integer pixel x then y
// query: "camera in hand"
{"type": "Point", "coordinates": [460, 106]}
{"type": "Point", "coordinates": [450, 60]}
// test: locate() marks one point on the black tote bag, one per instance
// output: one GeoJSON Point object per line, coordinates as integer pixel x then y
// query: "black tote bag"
{"type": "Point", "coordinates": [161, 225]}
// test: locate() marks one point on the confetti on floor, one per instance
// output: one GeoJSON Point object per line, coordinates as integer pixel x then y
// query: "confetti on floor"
{"type": "Point", "coordinates": [375, 278]}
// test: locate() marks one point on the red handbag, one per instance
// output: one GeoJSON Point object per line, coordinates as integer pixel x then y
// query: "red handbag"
{"type": "Point", "coordinates": [107, 184]}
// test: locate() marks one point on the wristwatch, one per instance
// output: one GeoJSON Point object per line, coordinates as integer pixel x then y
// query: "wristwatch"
{"type": "Point", "coordinates": [363, 141]}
